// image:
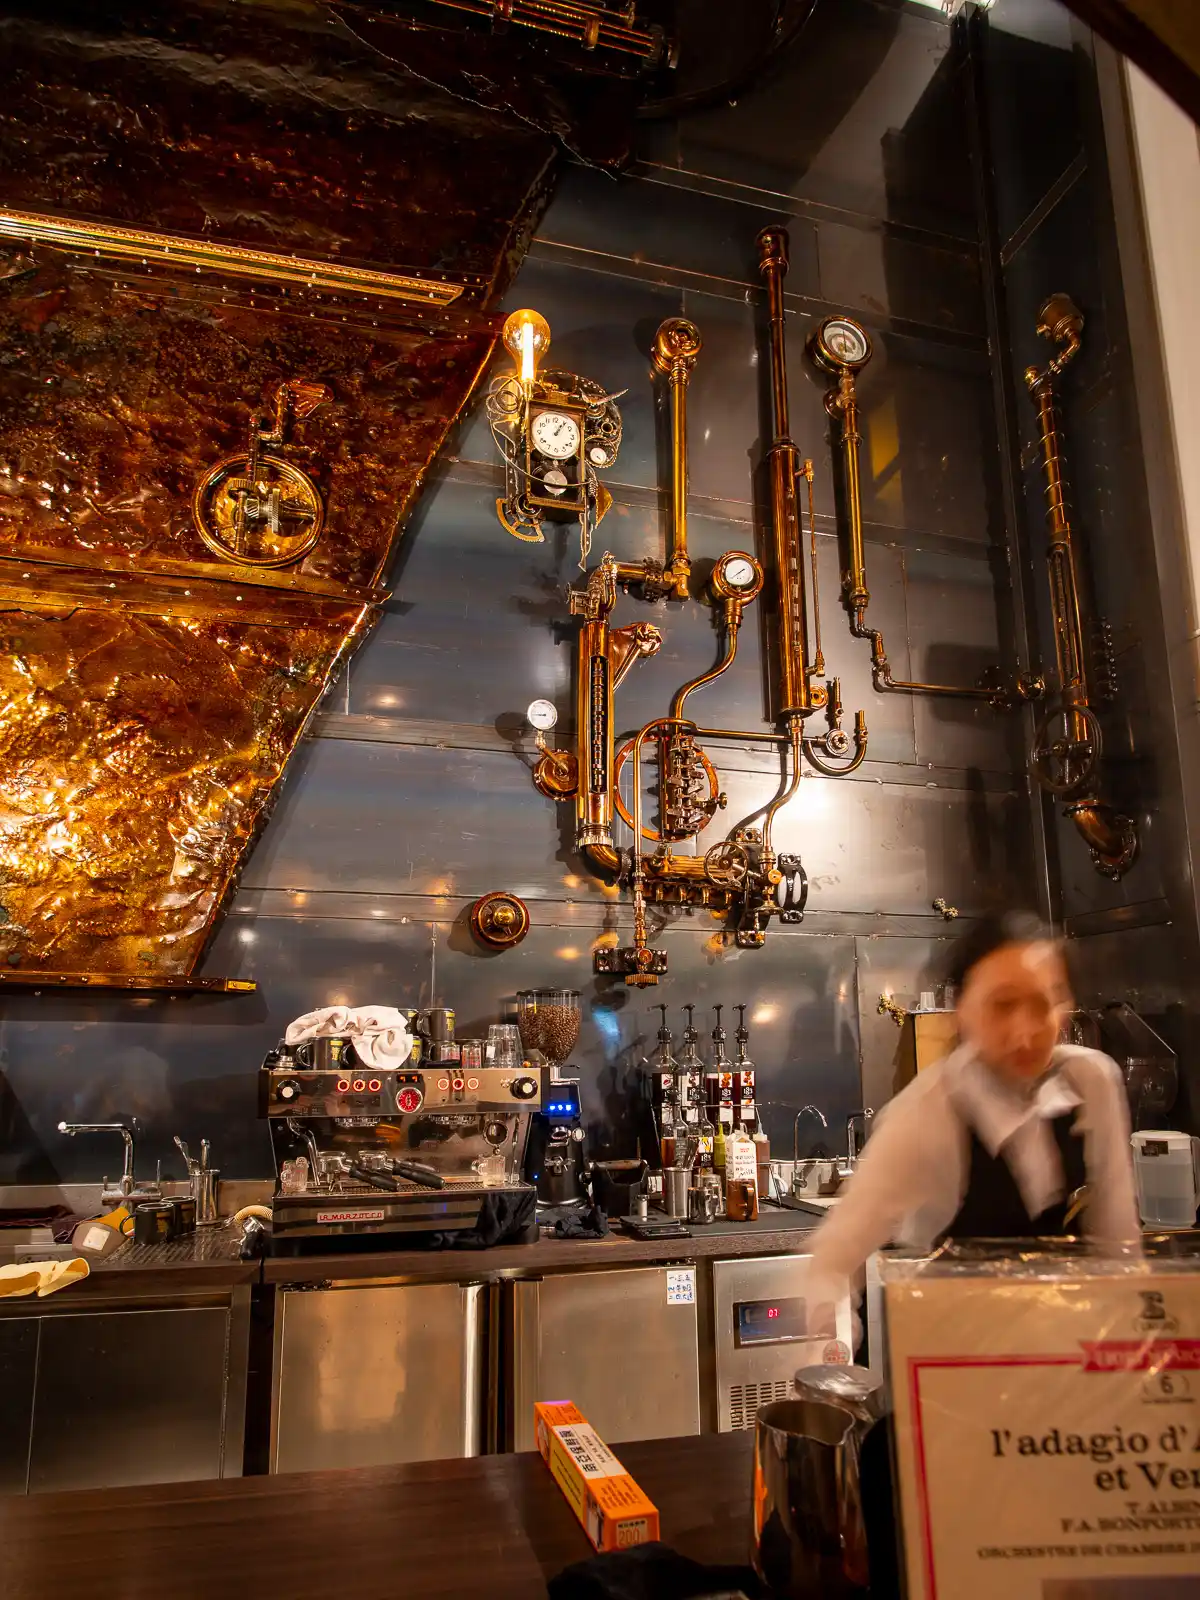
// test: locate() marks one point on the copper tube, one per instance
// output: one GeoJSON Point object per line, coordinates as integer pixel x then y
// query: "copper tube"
{"type": "Point", "coordinates": [676, 346]}
{"type": "Point", "coordinates": [1060, 557]}
{"type": "Point", "coordinates": [796, 742]}
{"type": "Point", "coordinates": [842, 403]}
{"type": "Point", "coordinates": [794, 697]}
{"type": "Point", "coordinates": [733, 621]}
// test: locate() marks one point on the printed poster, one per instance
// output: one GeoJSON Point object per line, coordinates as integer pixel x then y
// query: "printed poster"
{"type": "Point", "coordinates": [1048, 1435]}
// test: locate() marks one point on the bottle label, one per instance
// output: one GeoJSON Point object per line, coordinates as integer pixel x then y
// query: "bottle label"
{"type": "Point", "coordinates": [740, 1162]}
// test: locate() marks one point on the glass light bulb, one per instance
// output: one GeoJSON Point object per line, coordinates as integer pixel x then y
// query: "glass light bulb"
{"type": "Point", "coordinates": [526, 336]}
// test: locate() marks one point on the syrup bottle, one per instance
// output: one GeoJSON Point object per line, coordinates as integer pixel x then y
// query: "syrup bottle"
{"type": "Point", "coordinates": [664, 1089]}
{"type": "Point", "coordinates": [722, 1070]}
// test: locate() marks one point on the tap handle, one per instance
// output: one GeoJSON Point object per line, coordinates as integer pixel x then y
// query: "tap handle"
{"type": "Point", "coordinates": [718, 1032]}
{"type": "Point", "coordinates": [742, 1032]}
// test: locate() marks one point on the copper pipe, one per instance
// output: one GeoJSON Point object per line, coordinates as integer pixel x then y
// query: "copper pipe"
{"type": "Point", "coordinates": [794, 695]}
{"type": "Point", "coordinates": [842, 404]}
{"type": "Point", "coordinates": [733, 622]}
{"type": "Point", "coordinates": [676, 346]}
{"type": "Point", "coordinates": [796, 743]}
{"type": "Point", "coordinates": [585, 25]}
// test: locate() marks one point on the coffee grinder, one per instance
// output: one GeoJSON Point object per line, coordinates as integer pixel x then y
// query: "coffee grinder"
{"type": "Point", "coordinates": [555, 1157]}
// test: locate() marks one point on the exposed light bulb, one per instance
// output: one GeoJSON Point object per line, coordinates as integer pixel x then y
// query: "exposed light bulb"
{"type": "Point", "coordinates": [526, 337]}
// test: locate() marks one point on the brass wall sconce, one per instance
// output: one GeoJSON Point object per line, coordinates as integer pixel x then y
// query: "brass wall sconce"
{"type": "Point", "coordinates": [554, 430]}
{"type": "Point", "coordinates": [499, 920]}
{"type": "Point", "coordinates": [1068, 744]}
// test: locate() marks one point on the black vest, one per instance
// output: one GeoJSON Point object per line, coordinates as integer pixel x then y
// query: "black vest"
{"type": "Point", "coordinates": [992, 1207]}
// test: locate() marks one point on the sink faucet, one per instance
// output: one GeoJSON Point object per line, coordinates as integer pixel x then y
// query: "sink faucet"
{"type": "Point", "coordinates": [853, 1143]}
{"type": "Point", "coordinates": [127, 1189]}
{"type": "Point", "coordinates": [804, 1111]}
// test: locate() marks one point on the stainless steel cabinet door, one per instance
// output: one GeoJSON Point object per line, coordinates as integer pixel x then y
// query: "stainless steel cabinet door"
{"type": "Point", "coordinates": [621, 1345]}
{"type": "Point", "coordinates": [367, 1377]}
{"type": "Point", "coordinates": [129, 1397]}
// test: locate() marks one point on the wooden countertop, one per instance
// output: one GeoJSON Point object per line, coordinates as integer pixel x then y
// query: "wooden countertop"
{"type": "Point", "coordinates": [495, 1526]}
{"type": "Point", "coordinates": [777, 1232]}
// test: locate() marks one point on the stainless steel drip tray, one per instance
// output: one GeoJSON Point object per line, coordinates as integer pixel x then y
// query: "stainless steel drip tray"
{"type": "Point", "coordinates": [357, 1208]}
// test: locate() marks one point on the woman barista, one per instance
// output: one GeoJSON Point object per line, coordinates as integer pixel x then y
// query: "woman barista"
{"type": "Point", "coordinates": [1011, 1136]}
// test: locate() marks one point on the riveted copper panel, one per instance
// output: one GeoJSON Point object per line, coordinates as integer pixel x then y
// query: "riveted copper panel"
{"type": "Point", "coordinates": [153, 684]}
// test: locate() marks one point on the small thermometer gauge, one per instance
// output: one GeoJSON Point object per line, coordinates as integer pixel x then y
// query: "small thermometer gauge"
{"type": "Point", "coordinates": [737, 576]}
{"type": "Point", "coordinates": [542, 715]}
{"type": "Point", "coordinates": [840, 342]}
{"type": "Point", "coordinates": [555, 434]}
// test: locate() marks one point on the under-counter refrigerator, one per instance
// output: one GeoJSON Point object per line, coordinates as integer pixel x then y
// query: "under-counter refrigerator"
{"type": "Point", "coordinates": [623, 1345]}
{"type": "Point", "coordinates": [369, 1375]}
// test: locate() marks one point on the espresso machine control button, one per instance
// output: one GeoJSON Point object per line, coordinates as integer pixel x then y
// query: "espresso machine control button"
{"type": "Point", "coordinates": [524, 1088]}
{"type": "Point", "coordinates": [288, 1090]}
{"type": "Point", "coordinates": [409, 1099]}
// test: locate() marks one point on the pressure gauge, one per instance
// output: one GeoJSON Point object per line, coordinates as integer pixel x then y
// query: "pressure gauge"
{"type": "Point", "coordinates": [737, 576]}
{"type": "Point", "coordinates": [542, 715]}
{"type": "Point", "coordinates": [840, 342]}
{"type": "Point", "coordinates": [555, 434]}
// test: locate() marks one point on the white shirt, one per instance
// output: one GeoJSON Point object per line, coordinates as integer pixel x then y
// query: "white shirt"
{"type": "Point", "coordinates": [912, 1176]}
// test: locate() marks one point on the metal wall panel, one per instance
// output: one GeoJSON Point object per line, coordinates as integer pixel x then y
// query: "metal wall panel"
{"type": "Point", "coordinates": [129, 1397]}
{"type": "Point", "coordinates": [824, 127]}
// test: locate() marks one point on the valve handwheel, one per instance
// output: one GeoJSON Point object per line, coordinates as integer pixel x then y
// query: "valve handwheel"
{"type": "Point", "coordinates": [1061, 764]}
{"type": "Point", "coordinates": [715, 798]}
{"type": "Point", "coordinates": [727, 864]}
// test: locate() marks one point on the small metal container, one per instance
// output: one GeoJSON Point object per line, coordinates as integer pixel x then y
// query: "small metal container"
{"type": "Point", "coordinates": [676, 1183]}
{"type": "Point", "coordinates": [154, 1223]}
{"type": "Point", "coordinates": [702, 1203]}
{"type": "Point", "coordinates": [641, 1208]}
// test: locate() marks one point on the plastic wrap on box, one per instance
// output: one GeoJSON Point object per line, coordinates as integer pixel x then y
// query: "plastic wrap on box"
{"type": "Point", "coordinates": [1047, 1422]}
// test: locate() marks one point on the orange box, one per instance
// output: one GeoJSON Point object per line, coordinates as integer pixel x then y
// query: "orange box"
{"type": "Point", "coordinates": [614, 1512]}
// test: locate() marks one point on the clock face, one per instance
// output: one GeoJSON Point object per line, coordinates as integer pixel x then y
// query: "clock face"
{"type": "Point", "coordinates": [555, 434]}
{"type": "Point", "coordinates": [845, 341]}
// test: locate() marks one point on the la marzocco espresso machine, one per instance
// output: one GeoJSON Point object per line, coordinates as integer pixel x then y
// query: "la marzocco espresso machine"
{"type": "Point", "coordinates": [414, 1148]}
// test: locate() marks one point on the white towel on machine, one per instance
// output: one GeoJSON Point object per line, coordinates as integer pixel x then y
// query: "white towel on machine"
{"type": "Point", "coordinates": [388, 1049]}
{"type": "Point", "coordinates": [319, 1024]}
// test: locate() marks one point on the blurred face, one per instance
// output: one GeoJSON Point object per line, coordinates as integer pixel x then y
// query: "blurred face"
{"type": "Point", "coordinates": [1012, 1006]}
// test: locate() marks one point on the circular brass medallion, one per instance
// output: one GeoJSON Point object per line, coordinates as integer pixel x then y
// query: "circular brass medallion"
{"type": "Point", "coordinates": [269, 520]}
{"type": "Point", "coordinates": [500, 920]}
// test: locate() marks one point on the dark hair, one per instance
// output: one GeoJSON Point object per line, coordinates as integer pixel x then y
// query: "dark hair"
{"type": "Point", "coordinates": [989, 934]}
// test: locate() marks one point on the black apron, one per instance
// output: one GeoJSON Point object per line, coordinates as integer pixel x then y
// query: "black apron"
{"type": "Point", "coordinates": [992, 1208]}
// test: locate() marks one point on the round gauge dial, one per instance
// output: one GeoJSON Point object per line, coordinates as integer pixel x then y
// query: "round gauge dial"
{"type": "Point", "coordinates": [842, 343]}
{"type": "Point", "coordinates": [555, 434]}
{"type": "Point", "coordinates": [737, 576]}
{"type": "Point", "coordinates": [542, 715]}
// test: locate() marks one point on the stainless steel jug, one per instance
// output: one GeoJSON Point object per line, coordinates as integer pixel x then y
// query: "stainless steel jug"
{"type": "Point", "coordinates": [809, 1538]}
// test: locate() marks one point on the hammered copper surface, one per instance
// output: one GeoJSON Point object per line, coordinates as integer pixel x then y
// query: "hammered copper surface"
{"type": "Point", "coordinates": [158, 666]}
{"type": "Point", "coordinates": [137, 753]}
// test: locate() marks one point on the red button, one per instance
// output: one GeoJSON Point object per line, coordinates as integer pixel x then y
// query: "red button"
{"type": "Point", "coordinates": [343, 1085]}
{"type": "Point", "coordinates": [458, 1085]}
{"type": "Point", "coordinates": [472, 1083]}
{"type": "Point", "coordinates": [443, 1083]}
{"type": "Point", "coordinates": [374, 1086]}
{"type": "Point", "coordinates": [359, 1085]}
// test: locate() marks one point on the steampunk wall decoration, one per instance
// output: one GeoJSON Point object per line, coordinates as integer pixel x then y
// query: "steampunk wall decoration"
{"type": "Point", "coordinates": [742, 876]}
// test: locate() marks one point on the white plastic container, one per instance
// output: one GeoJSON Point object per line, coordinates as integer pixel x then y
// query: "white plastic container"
{"type": "Point", "coordinates": [1167, 1169]}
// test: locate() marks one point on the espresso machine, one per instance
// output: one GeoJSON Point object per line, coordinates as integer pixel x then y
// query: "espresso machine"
{"type": "Point", "coordinates": [412, 1147]}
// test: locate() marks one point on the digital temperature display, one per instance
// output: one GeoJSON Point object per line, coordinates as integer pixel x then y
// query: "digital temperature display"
{"type": "Point", "coordinates": [770, 1322]}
